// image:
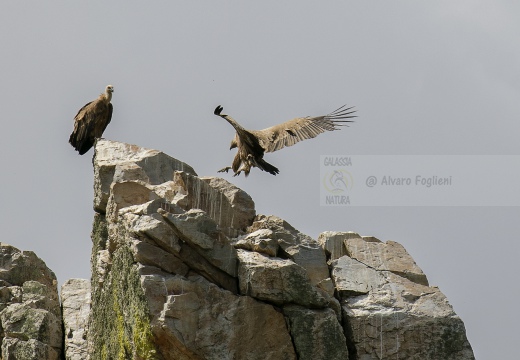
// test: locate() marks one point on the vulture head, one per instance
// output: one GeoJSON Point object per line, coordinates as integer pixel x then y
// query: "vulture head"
{"type": "Point", "coordinates": [108, 93]}
{"type": "Point", "coordinates": [234, 142]}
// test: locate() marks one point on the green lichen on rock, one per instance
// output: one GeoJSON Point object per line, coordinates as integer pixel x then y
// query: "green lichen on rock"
{"type": "Point", "coordinates": [99, 232]}
{"type": "Point", "coordinates": [120, 325]}
{"type": "Point", "coordinates": [143, 338]}
{"type": "Point", "coordinates": [99, 238]}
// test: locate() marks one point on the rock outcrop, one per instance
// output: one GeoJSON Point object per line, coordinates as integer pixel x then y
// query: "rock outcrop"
{"type": "Point", "coordinates": [388, 309]}
{"type": "Point", "coordinates": [30, 314]}
{"type": "Point", "coordinates": [184, 268]}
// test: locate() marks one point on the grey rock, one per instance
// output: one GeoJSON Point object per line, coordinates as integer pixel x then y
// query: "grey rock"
{"type": "Point", "coordinates": [386, 315]}
{"type": "Point", "coordinates": [276, 280]}
{"type": "Point", "coordinates": [231, 208]}
{"type": "Point", "coordinates": [117, 162]}
{"type": "Point", "coordinates": [183, 269]}
{"type": "Point", "coordinates": [298, 247]}
{"type": "Point", "coordinates": [306, 323]}
{"type": "Point", "coordinates": [17, 267]}
{"type": "Point", "coordinates": [22, 321]}
{"type": "Point", "coordinates": [200, 231]}
{"type": "Point", "coordinates": [283, 232]}
{"type": "Point", "coordinates": [333, 242]}
{"type": "Point", "coordinates": [385, 332]}
{"type": "Point", "coordinates": [40, 296]}
{"type": "Point", "coordinates": [75, 296]}
{"type": "Point", "coordinates": [354, 278]}
{"type": "Point", "coordinates": [389, 256]}
{"type": "Point", "coordinates": [261, 241]}
{"type": "Point", "coordinates": [18, 349]}
{"type": "Point", "coordinates": [199, 320]}
{"type": "Point", "coordinates": [30, 313]}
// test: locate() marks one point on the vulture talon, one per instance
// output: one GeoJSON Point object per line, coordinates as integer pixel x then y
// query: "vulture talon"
{"type": "Point", "coordinates": [226, 169]}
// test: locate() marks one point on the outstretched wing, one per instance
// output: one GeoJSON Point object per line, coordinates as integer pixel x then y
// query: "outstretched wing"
{"type": "Point", "coordinates": [293, 131]}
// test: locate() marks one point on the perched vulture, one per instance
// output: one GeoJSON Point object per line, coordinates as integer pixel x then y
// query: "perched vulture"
{"type": "Point", "coordinates": [252, 144]}
{"type": "Point", "coordinates": [91, 121]}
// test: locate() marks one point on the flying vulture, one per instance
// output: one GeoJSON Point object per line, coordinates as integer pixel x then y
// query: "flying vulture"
{"type": "Point", "coordinates": [91, 121]}
{"type": "Point", "coordinates": [252, 144]}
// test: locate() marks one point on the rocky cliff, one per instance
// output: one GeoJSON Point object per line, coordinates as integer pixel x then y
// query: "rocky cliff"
{"type": "Point", "coordinates": [184, 268]}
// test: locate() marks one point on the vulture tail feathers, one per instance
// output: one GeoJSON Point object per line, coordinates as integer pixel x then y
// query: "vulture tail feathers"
{"type": "Point", "coordinates": [80, 145]}
{"type": "Point", "coordinates": [265, 166]}
{"type": "Point", "coordinates": [85, 146]}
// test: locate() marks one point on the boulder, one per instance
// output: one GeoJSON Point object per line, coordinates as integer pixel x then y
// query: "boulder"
{"type": "Point", "coordinates": [30, 316]}
{"type": "Point", "coordinates": [298, 247]}
{"type": "Point", "coordinates": [261, 241]}
{"type": "Point", "coordinates": [276, 281]}
{"type": "Point", "coordinates": [386, 315]}
{"type": "Point", "coordinates": [389, 256]}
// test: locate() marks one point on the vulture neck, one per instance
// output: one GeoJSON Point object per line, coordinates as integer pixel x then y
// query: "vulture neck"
{"type": "Point", "coordinates": [107, 96]}
{"type": "Point", "coordinates": [233, 123]}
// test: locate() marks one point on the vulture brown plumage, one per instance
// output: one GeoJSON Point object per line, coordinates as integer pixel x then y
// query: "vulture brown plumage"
{"type": "Point", "coordinates": [252, 144]}
{"type": "Point", "coordinates": [91, 121]}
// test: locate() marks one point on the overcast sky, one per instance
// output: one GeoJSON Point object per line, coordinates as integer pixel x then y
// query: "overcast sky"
{"type": "Point", "coordinates": [437, 78]}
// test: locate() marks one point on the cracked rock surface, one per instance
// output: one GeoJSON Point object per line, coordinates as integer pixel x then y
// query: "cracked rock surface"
{"type": "Point", "coordinates": [184, 268]}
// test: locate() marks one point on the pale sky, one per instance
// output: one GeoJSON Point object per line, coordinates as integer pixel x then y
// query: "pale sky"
{"type": "Point", "coordinates": [438, 78]}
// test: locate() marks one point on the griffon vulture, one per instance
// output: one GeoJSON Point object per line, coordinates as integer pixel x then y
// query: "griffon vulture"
{"type": "Point", "coordinates": [252, 144]}
{"type": "Point", "coordinates": [91, 121]}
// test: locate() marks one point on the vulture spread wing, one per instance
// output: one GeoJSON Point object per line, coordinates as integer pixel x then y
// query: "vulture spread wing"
{"type": "Point", "coordinates": [252, 144]}
{"type": "Point", "coordinates": [91, 121]}
{"type": "Point", "coordinates": [293, 131]}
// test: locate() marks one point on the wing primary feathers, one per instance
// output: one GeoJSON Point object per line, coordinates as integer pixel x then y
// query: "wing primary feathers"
{"type": "Point", "coordinates": [341, 113]}
{"type": "Point", "coordinates": [218, 110]}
